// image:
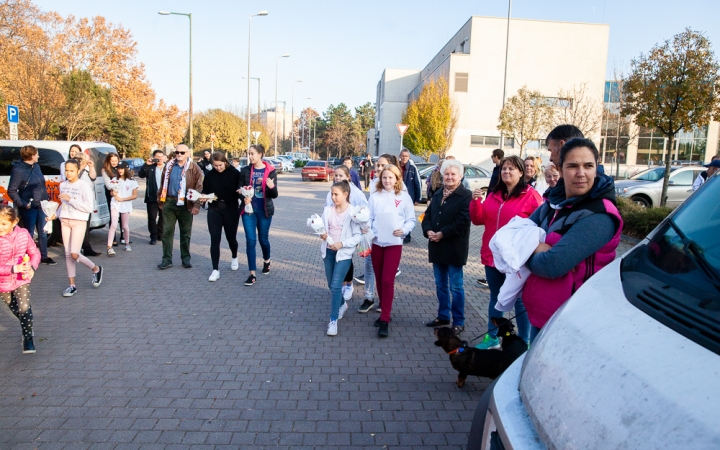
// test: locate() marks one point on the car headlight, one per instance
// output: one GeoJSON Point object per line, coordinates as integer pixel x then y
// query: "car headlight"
{"type": "Point", "coordinates": [621, 191]}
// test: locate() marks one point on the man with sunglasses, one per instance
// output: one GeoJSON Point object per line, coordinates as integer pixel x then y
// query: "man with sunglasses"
{"type": "Point", "coordinates": [178, 176]}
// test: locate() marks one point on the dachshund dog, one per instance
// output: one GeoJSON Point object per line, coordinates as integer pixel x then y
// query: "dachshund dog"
{"type": "Point", "coordinates": [482, 363]}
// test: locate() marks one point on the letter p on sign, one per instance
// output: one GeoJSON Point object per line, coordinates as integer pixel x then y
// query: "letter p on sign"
{"type": "Point", "coordinates": [13, 114]}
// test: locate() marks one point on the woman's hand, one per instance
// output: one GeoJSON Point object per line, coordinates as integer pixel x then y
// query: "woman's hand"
{"type": "Point", "coordinates": [542, 247]}
{"type": "Point", "coordinates": [336, 246]}
{"type": "Point", "coordinates": [398, 233]}
{"type": "Point", "coordinates": [435, 237]}
{"type": "Point", "coordinates": [269, 183]}
{"type": "Point", "coordinates": [477, 193]}
{"type": "Point", "coordinates": [65, 197]}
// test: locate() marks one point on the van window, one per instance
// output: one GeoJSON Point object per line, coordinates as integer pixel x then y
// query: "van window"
{"type": "Point", "coordinates": [49, 160]}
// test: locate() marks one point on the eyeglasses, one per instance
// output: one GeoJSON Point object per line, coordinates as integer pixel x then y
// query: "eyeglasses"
{"type": "Point", "coordinates": [180, 153]}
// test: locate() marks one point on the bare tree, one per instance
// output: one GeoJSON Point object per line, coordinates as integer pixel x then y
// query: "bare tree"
{"type": "Point", "coordinates": [578, 107]}
{"type": "Point", "coordinates": [525, 117]}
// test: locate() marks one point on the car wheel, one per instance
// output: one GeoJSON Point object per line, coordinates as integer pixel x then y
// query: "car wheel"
{"type": "Point", "coordinates": [475, 437]}
{"type": "Point", "coordinates": [641, 201]}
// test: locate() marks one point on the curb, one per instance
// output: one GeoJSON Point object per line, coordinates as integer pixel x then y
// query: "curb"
{"type": "Point", "coordinates": [630, 239]}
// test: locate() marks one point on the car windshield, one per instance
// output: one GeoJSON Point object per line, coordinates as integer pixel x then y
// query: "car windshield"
{"type": "Point", "coordinates": [652, 174]}
{"type": "Point", "coordinates": [315, 164]}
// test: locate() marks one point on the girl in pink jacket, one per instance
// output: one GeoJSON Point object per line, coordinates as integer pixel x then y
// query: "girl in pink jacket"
{"type": "Point", "coordinates": [19, 257]}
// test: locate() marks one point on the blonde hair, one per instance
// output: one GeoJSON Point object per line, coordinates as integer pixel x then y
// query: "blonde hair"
{"type": "Point", "coordinates": [398, 179]}
{"type": "Point", "coordinates": [536, 163]}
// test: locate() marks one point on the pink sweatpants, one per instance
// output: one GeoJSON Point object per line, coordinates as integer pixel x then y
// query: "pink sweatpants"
{"type": "Point", "coordinates": [73, 232]}
{"type": "Point", "coordinates": [386, 261]}
{"type": "Point", "coordinates": [125, 218]}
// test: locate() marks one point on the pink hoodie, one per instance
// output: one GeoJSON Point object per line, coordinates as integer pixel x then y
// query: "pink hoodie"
{"type": "Point", "coordinates": [495, 213]}
{"type": "Point", "coordinates": [14, 246]}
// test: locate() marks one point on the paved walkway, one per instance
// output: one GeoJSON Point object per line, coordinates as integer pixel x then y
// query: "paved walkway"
{"type": "Point", "coordinates": [166, 360]}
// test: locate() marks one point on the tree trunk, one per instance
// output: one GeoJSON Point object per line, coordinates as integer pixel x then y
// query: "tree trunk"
{"type": "Point", "coordinates": [666, 178]}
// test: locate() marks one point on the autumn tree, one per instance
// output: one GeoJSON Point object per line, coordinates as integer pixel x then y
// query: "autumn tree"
{"type": "Point", "coordinates": [576, 106]}
{"type": "Point", "coordinates": [230, 130]}
{"type": "Point", "coordinates": [526, 117]}
{"type": "Point", "coordinates": [674, 88]}
{"type": "Point", "coordinates": [432, 121]}
{"type": "Point", "coordinates": [88, 106]}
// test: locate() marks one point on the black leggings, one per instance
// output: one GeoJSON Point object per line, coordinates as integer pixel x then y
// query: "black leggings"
{"type": "Point", "coordinates": [19, 303]}
{"type": "Point", "coordinates": [218, 219]}
{"type": "Point", "coordinates": [350, 272]}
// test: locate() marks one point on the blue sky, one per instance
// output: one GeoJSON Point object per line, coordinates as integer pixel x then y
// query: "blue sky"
{"type": "Point", "coordinates": [339, 48]}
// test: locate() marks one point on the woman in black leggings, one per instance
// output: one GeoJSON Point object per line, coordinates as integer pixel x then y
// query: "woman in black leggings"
{"type": "Point", "coordinates": [224, 212]}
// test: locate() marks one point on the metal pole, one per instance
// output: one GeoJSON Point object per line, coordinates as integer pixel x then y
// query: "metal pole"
{"type": "Point", "coordinates": [507, 45]}
{"type": "Point", "coordinates": [191, 99]}
{"type": "Point", "coordinates": [292, 119]}
{"type": "Point", "coordinates": [248, 81]}
{"type": "Point", "coordinates": [277, 60]}
{"type": "Point", "coordinates": [258, 117]}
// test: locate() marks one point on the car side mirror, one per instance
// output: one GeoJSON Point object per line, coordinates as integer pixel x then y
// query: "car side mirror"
{"type": "Point", "coordinates": [671, 183]}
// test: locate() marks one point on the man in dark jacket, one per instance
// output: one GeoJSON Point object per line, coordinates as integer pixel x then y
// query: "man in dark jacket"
{"type": "Point", "coordinates": [354, 177]}
{"type": "Point", "coordinates": [411, 178]}
{"type": "Point", "coordinates": [27, 189]}
{"type": "Point", "coordinates": [497, 156]}
{"type": "Point", "coordinates": [152, 171]}
{"type": "Point", "coordinates": [446, 224]}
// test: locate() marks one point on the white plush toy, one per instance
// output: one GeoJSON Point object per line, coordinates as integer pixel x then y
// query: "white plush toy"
{"type": "Point", "coordinates": [316, 223]}
{"type": "Point", "coordinates": [194, 196]}
{"type": "Point", "coordinates": [361, 216]}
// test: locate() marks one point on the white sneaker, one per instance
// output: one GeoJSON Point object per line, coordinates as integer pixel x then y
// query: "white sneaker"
{"type": "Point", "coordinates": [332, 328]}
{"type": "Point", "coordinates": [343, 308]}
{"type": "Point", "coordinates": [348, 292]}
{"type": "Point", "coordinates": [234, 264]}
{"type": "Point", "coordinates": [214, 276]}
{"type": "Point", "coordinates": [128, 248]}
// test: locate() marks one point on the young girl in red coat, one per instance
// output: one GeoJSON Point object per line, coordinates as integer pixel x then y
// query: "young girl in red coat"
{"type": "Point", "coordinates": [19, 257]}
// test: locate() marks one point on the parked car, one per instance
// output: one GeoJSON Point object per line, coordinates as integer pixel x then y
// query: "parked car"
{"type": "Point", "coordinates": [317, 170]}
{"type": "Point", "coordinates": [334, 161]}
{"type": "Point", "coordinates": [477, 177]}
{"type": "Point", "coordinates": [632, 359]}
{"type": "Point", "coordinates": [423, 165]}
{"type": "Point", "coordinates": [276, 164]}
{"type": "Point", "coordinates": [645, 188]}
{"type": "Point", "coordinates": [135, 164]}
{"type": "Point", "coordinates": [288, 166]}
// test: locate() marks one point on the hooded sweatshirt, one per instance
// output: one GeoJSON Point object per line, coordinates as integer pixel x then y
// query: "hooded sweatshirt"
{"type": "Point", "coordinates": [14, 246]}
{"type": "Point", "coordinates": [388, 209]}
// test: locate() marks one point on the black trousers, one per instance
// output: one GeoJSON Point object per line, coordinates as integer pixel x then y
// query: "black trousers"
{"type": "Point", "coordinates": [217, 220]}
{"type": "Point", "coordinates": [86, 240]}
{"type": "Point", "coordinates": [155, 220]}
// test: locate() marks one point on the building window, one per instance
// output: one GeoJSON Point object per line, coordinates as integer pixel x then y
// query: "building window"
{"type": "Point", "coordinates": [461, 82]}
{"type": "Point", "coordinates": [490, 141]}
{"type": "Point", "coordinates": [557, 102]}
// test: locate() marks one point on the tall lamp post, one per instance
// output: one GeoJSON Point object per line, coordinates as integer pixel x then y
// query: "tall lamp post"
{"type": "Point", "coordinates": [261, 13]}
{"type": "Point", "coordinates": [507, 46]}
{"type": "Point", "coordinates": [292, 117]}
{"type": "Point", "coordinates": [276, 100]}
{"type": "Point", "coordinates": [258, 80]}
{"type": "Point", "coordinates": [190, 108]}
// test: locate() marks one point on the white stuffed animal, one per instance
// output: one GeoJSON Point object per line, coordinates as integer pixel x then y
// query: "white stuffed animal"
{"type": "Point", "coordinates": [194, 196]}
{"type": "Point", "coordinates": [316, 223]}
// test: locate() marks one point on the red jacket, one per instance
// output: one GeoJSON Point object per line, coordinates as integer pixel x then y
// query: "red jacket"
{"type": "Point", "coordinates": [14, 246]}
{"type": "Point", "coordinates": [495, 213]}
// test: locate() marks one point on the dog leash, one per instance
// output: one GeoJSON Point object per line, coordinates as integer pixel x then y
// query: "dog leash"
{"type": "Point", "coordinates": [485, 333]}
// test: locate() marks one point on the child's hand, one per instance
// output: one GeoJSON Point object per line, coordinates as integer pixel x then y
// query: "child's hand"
{"type": "Point", "coordinates": [247, 200]}
{"type": "Point", "coordinates": [29, 274]}
{"type": "Point", "coordinates": [336, 246]}
{"type": "Point", "coordinates": [48, 219]}
{"type": "Point", "coordinates": [398, 233]}
{"type": "Point", "coordinates": [323, 236]}
{"type": "Point", "coordinates": [65, 197]}
{"type": "Point", "coordinates": [269, 183]}
{"type": "Point", "coordinates": [364, 230]}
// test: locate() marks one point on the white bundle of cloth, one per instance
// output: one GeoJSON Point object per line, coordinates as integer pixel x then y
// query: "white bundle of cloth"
{"type": "Point", "coordinates": [511, 247]}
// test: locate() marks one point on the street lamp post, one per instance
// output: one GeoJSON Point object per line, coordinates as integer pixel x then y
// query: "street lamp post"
{"type": "Point", "coordinates": [292, 117]}
{"type": "Point", "coordinates": [507, 46]}
{"type": "Point", "coordinates": [276, 100]}
{"type": "Point", "coordinates": [190, 106]}
{"type": "Point", "coordinates": [261, 13]}
{"type": "Point", "coordinates": [258, 80]}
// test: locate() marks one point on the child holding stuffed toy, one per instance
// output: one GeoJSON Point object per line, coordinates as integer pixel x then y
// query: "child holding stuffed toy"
{"type": "Point", "coordinates": [19, 257]}
{"type": "Point", "coordinates": [123, 192]}
{"type": "Point", "coordinates": [337, 248]}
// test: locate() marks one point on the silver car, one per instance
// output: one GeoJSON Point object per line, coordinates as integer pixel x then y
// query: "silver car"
{"type": "Point", "coordinates": [645, 188]}
{"type": "Point", "coordinates": [476, 177]}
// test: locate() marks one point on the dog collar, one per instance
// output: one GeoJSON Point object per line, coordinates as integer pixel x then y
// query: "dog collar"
{"type": "Point", "coordinates": [457, 350]}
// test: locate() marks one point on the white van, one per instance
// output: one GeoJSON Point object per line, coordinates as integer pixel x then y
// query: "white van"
{"type": "Point", "coordinates": [52, 155]}
{"type": "Point", "coordinates": [632, 360]}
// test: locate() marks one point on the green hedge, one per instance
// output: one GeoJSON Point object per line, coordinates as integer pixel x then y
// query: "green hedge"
{"type": "Point", "coordinates": [638, 222]}
{"type": "Point", "coordinates": [299, 164]}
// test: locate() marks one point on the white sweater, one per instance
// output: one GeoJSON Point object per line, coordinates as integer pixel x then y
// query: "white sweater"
{"type": "Point", "coordinates": [389, 212]}
{"type": "Point", "coordinates": [81, 200]}
{"type": "Point", "coordinates": [350, 236]}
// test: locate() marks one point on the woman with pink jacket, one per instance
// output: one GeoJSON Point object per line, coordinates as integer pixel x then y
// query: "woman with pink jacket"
{"type": "Point", "coordinates": [19, 257]}
{"type": "Point", "coordinates": [509, 198]}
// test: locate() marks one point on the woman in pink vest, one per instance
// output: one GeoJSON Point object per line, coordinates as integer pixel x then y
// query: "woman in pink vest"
{"type": "Point", "coordinates": [583, 229]}
{"type": "Point", "coordinates": [509, 198]}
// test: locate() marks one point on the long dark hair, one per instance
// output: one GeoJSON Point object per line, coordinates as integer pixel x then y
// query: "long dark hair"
{"type": "Point", "coordinates": [392, 159]}
{"type": "Point", "coordinates": [502, 187]}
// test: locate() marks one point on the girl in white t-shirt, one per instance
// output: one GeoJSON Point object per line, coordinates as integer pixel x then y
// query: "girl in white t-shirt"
{"type": "Point", "coordinates": [124, 191]}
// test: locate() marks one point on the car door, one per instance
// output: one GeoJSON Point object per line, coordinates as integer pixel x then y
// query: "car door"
{"type": "Point", "coordinates": [680, 186]}
{"type": "Point", "coordinates": [471, 176]}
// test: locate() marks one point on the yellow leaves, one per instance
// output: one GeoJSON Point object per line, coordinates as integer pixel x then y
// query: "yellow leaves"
{"type": "Point", "coordinates": [432, 119]}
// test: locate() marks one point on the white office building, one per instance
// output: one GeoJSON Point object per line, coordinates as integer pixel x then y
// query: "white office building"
{"type": "Point", "coordinates": [284, 118]}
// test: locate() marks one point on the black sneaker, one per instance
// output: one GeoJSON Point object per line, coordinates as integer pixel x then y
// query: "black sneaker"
{"type": "Point", "coordinates": [115, 244]}
{"type": "Point", "coordinates": [49, 261]}
{"type": "Point", "coordinates": [186, 264]}
{"type": "Point", "coordinates": [457, 329]}
{"type": "Point", "coordinates": [28, 346]}
{"type": "Point", "coordinates": [360, 279]}
{"type": "Point", "coordinates": [383, 328]}
{"type": "Point", "coordinates": [91, 252]}
{"type": "Point", "coordinates": [366, 306]}
{"type": "Point", "coordinates": [377, 323]}
{"type": "Point", "coordinates": [97, 277]}
{"type": "Point", "coordinates": [482, 282]}
{"type": "Point", "coordinates": [437, 322]}
{"type": "Point", "coordinates": [164, 265]}
{"type": "Point", "coordinates": [266, 268]}
{"type": "Point", "coordinates": [250, 280]}
{"type": "Point", "coordinates": [153, 241]}
{"type": "Point", "coordinates": [70, 291]}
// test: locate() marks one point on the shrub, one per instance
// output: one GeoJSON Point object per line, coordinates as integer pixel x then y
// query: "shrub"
{"type": "Point", "coordinates": [300, 164]}
{"type": "Point", "coordinates": [638, 222]}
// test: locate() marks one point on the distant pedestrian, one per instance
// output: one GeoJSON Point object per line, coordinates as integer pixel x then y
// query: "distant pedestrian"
{"type": "Point", "coordinates": [496, 157]}
{"type": "Point", "coordinates": [354, 177]}
{"type": "Point", "coordinates": [178, 175]}
{"type": "Point", "coordinates": [223, 213]}
{"type": "Point", "coordinates": [123, 193]}
{"type": "Point", "coordinates": [345, 235]}
{"type": "Point", "coordinates": [236, 163]}
{"type": "Point", "coordinates": [262, 176]}
{"type": "Point", "coordinates": [392, 217]}
{"type": "Point", "coordinates": [434, 181]}
{"type": "Point", "coordinates": [534, 176]}
{"type": "Point", "coordinates": [446, 224]}
{"type": "Point", "coordinates": [511, 197]}
{"type": "Point", "coordinates": [26, 189]}
{"type": "Point", "coordinates": [366, 166]}
{"type": "Point", "coordinates": [19, 258]}
{"type": "Point", "coordinates": [76, 198]}
{"type": "Point", "coordinates": [152, 171]}
{"type": "Point", "coordinates": [705, 175]}
{"type": "Point", "coordinates": [109, 172]}
{"type": "Point", "coordinates": [552, 175]}
{"type": "Point", "coordinates": [205, 163]}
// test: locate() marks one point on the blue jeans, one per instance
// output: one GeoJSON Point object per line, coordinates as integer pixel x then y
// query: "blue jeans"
{"type": "Point", "coordinates": [33, 219]}
{"type": "Point", "coordinates": [369, 279]}
{"type": "Point", "coordinates": [260, 222]}
{"type": "Point", "coordinates": [495, 280]}
{"type": "Point", "coordinates": [335, 272]}
{"type": "Point", "coordinates": [445, 273]}
{"type": "Point", "coordinates": [533, 333]}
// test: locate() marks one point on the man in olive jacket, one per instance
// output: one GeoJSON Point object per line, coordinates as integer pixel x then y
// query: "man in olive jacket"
{"type": "Point", "coordinates": [446, 224]}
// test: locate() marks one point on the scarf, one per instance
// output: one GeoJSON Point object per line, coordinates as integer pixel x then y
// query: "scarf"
{"type": "Point", "coordinates": [181, 190]}
{"type": "Point", "coordinates": [447, 192]}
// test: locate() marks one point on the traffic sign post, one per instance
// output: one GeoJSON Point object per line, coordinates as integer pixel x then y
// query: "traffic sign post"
{"type": "Point", "coordinates": [13, 116]}
{"type": "Point", "coordinates": [256, 135]}
{"type": "Point", "coordinates": [402, 128]}
{"type": "Point", "coordinates": [212, 141]}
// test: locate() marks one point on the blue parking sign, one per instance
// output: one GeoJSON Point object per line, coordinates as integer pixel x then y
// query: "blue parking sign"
{"type": "Point", "coordinates": [13, 114]}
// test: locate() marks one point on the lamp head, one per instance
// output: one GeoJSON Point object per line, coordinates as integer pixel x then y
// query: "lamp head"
{"type": "Point", "coordinates": [164, 13]}
{"type": "Point", "coordinates": [286, 55]}
{"type": "Point", "coordinates": [262, 13]}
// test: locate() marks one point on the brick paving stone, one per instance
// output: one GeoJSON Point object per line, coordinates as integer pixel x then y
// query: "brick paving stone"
{"type": "Point", "coordinates": [165, 359]}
